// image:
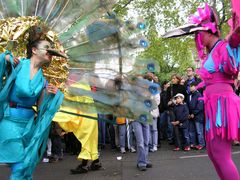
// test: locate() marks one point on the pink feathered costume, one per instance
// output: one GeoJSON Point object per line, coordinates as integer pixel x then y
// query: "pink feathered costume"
{"type": "Point", "coordinates": [219, 69]}
{"type": "Point", "coordinates": [222, 106]}
{"type": "Point", "coordinates": [222, 110]}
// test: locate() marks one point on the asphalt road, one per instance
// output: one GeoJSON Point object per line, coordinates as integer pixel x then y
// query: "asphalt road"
{"type": "Point", "coordinates": [167, 165]}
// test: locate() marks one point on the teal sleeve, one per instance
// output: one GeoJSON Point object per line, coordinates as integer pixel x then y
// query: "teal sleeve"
{"type": "Point", "coordinates": [3, 65]}
{"type": "Point", "coordinates": [6, 84]}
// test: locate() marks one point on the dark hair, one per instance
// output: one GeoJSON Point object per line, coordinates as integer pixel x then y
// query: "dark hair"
{"type": "Point", "coordinates": [191, 68]}
{"type": "Point", "coordinates": [32, 44]}
{"type": "Point", "coordinates": [36, 36]}
{"type": "Point", "coordinates": [164, 82]}
{"type": "Point", "coordinates": [193, 83]}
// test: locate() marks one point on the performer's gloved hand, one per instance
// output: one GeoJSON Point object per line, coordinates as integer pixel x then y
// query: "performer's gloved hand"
{"type": "Point", "coordinates": [51, 89]}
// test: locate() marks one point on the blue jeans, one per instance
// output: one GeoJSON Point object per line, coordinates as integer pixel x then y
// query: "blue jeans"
{"type": "Point", "coordinates": [153, 138]}
{"type": "Point", "coordinates": [122, 134]}
{"type": "Point", "coordinates": [165, 127]}
{"type": "Point", "coordinates": [130, 132]}
{"type": "Point", "coordinates": [181, 137]}
{"type": "Point", "coordinates": [111, 134]}
{"type": "Point", "coordinates": [192, 132]}
{"type": "Point", "coordinates": [185, 136]}
{"type": "Point", "coordinates": [170, 131]}
{"type": "Point", "coordinates": [101, 130]}
{"type": "Point", "coordinates": [200, 133]}
{"type": "Point", "coordinates": [196, 133]}
{"type": "Point", "coordinates": [141, 132]}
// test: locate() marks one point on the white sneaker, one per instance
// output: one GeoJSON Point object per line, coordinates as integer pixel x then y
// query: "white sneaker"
{"type": "Point", "coordinates": [155, 148]}
{"type": "Point", "coordinates": [132, 150]}
{"type": "Point", "coordinates": [122, 149]}
{"type": "Point", "coordinates": [45, 160]}
{"type": "Point", "coordinates": [151, 150]}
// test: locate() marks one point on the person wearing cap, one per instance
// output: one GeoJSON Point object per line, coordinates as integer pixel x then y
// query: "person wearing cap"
{"type": "Point", "coordinates": [174, 88]}
{"type": "Point", "coordinates": [220, 67]}
{"type": "Point", "coordinates": [181, 123]}
{"type": "Point", "coordinates": [24, 133]}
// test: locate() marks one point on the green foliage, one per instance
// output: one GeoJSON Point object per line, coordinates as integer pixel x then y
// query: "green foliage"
{"type": "Point", "coordinates": [122, 7]}
{"type": "Point", "coordinates": [173, 55]}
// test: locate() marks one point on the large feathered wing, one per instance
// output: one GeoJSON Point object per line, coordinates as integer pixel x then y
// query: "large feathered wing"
{"type": "Point", "coordinates": [102, 49]}
{"type": "Point", "coordinates": [107, 61]}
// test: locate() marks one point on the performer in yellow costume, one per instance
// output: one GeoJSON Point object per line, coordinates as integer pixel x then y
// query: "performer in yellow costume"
{"type": "Point", "coordinates": [85, 130]}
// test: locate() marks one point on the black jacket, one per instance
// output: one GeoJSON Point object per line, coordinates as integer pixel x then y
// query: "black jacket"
{"type": "Point", "coordinates": [175, 89]}
{"type": "Point", "coordinates": [181, 114]}
{"type": "Point", "coordinates": [196, 106]}
{"type": "Point", "coordinates": [163, 106]}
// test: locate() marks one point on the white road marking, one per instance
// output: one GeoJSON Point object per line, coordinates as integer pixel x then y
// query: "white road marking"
{"type": "Point", "coordinates": [203, 155]}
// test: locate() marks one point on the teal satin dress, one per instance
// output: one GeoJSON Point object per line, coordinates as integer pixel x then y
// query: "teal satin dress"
{"type": "Point", "coordinates": [24, 133]}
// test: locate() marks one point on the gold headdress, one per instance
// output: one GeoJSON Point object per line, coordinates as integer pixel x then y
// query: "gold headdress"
{"type": "Point", "coordinates": [15, 34]}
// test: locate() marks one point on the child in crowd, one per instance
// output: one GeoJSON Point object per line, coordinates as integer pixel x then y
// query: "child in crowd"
{"type": "Point", "coordinates": [125, 128]}
{"type": "Point", "coordinates": [196, 117]}
{"type": "Point", "coordinates": [121, 121]}
{"type": "Point", "coordinates": [181, 123]}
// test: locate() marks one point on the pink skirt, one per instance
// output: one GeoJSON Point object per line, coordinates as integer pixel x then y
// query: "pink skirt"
{"type": "Point", "coordinates": [222, 112]}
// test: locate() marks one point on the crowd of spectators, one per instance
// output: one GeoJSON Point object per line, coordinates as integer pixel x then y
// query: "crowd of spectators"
{"type": "Point", "coordinates": [179, 120]}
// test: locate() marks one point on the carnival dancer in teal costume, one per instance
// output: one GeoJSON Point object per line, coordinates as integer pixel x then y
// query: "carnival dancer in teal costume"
{"type": "Point", "coordinates": [24, 132]}
{"type": "Point", "coordinates": [95, 43]}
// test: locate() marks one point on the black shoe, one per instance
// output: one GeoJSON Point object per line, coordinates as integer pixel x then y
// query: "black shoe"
{"type": "Point", "coordinates": [79, 170]}
{"type": "Point", "coordinates": [149, 165]}
{"type": "Point", "coordinates": [53, 159]}
{"type": "Point", "coordinates": [102, 146]}
{"type": "Point", "coordinates": [142, 168]}
{"type": "Point", "coordinates": [171, 142]}
{"type": "Point", "coordinates": [161, 138]}
{"type": "Point", "coordinates": [95, 166]}
{"type": "Point", "coordinates": [113, 147]}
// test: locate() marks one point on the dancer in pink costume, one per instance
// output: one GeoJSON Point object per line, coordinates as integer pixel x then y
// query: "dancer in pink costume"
{"type": "Point", "coordinates": [220, 66]}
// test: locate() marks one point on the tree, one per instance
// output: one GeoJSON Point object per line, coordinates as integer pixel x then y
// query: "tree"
{"type": "Point", "coordinates": [173, 55]}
